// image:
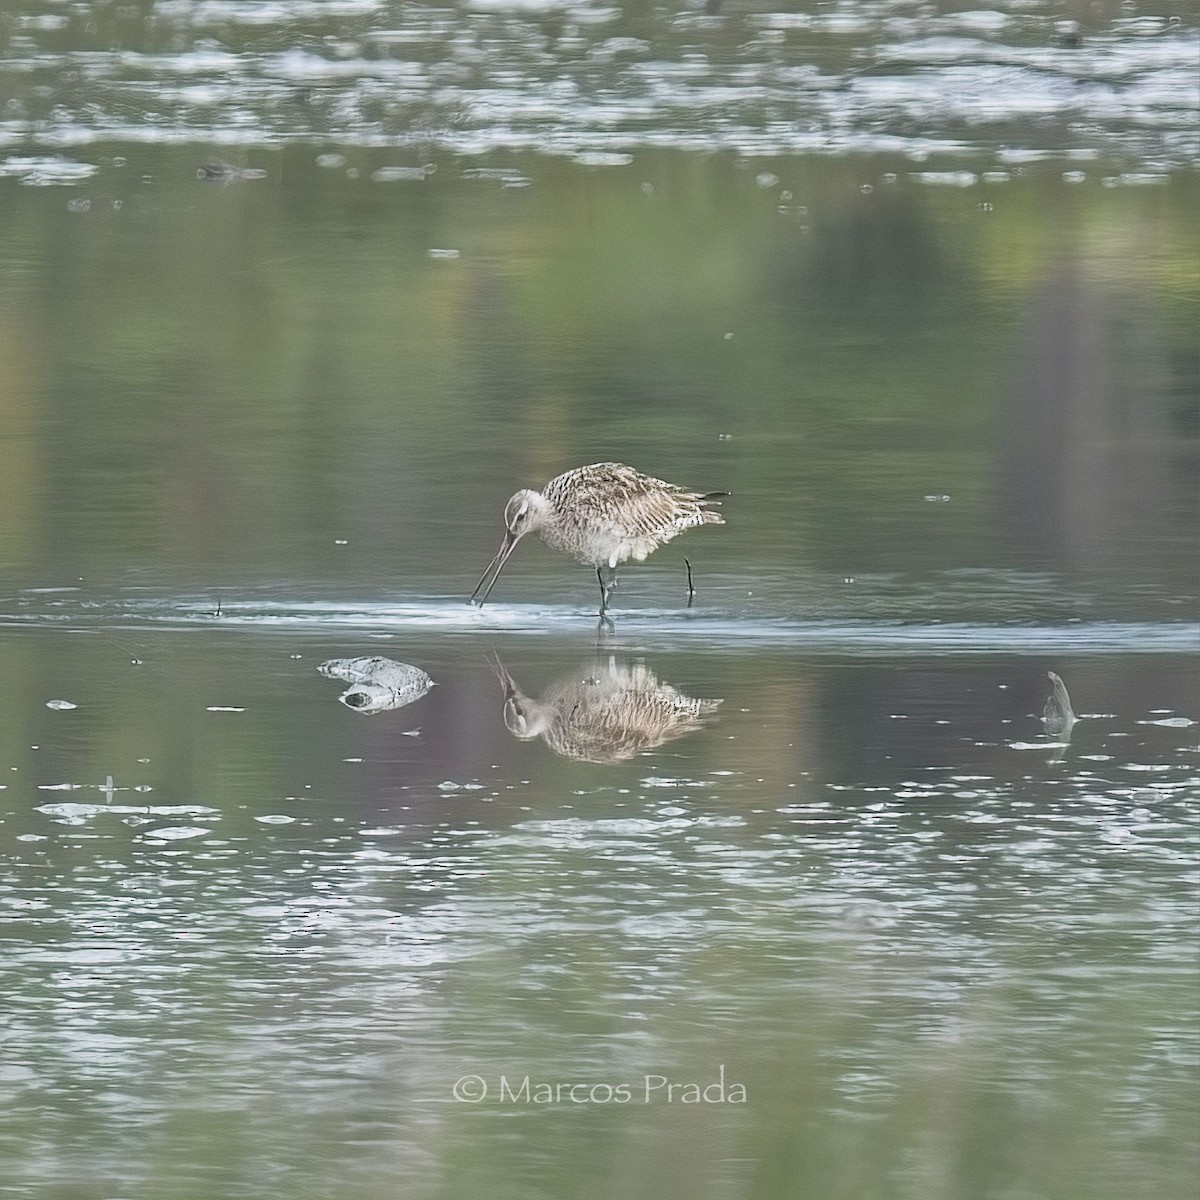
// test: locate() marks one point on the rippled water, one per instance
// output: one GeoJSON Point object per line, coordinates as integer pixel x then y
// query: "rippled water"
{"type": "Point", "coordinates": [595, 81]}
{"type": "Point", "coordinates": [318, 881]}
{"type": "Point", "coordinates": [256, 943]}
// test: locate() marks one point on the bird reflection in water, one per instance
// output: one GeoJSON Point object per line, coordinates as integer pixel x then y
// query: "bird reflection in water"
{"type": "Point", "coordinates": [377, 684]}
{"type": "Point", "coordinates": [607, 712]}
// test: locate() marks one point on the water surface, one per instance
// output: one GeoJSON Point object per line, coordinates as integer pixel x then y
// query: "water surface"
{"type": "Point", "coordinates": [793, 892]}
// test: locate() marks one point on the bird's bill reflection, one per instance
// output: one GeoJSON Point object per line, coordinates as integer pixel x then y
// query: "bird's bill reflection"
{"type": "Point", "coordinates": [496, 565]}
{"type": "Point", "coordinates": [521, 718]}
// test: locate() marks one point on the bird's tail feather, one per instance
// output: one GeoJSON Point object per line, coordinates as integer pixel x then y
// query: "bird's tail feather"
{"type": "Point", "coordinates": [707, 516]}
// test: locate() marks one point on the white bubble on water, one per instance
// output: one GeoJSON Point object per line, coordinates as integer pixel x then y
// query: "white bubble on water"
{"type": "Point", "coordinates": [175, 833]}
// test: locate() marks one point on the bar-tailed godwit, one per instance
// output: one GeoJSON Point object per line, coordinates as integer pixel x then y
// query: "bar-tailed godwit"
{"type": "Point", "coordinates": [601, 515]}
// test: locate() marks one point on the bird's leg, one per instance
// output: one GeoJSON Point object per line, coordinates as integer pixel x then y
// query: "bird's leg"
{"type": "Point", "coordinates": [691, 590]}
{"type": "Point", "coordinates": [607, 584]}
{"type": "Point", "coordinates": [606, 626]}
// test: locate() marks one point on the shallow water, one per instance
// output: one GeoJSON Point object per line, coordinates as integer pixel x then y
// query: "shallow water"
{"type": "Point", "coordinates": [793, 892]}
{"type": "Point", "coordinates": [594, 82]}
{"type": "Point", "coordinates": [255, 941]}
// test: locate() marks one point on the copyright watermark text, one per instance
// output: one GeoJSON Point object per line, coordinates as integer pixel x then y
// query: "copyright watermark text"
{"type": "Point", "coordinates": [649, 1089]}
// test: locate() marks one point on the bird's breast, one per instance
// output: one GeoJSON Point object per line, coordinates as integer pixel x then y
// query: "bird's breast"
{"type": "Point", "coordinates": [601, 550]}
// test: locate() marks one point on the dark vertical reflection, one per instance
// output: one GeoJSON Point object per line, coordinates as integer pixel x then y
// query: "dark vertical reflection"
{"type": "Point", "coordinates": [1090, 468]}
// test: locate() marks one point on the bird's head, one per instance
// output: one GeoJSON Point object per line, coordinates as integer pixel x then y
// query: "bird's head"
{"type": "Point", "coordinates": [523, 512]}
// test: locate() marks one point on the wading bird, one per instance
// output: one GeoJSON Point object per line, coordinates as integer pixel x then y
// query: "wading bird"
{"type": "Point", "coordinates": [601, 515]}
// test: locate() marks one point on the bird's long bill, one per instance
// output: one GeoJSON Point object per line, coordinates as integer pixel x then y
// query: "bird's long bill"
{"type": "Point", "coordinates": [494, 568]}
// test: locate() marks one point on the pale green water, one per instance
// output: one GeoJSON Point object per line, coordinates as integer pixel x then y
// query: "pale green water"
{"type": "Point", "coordinates": [918, 286]}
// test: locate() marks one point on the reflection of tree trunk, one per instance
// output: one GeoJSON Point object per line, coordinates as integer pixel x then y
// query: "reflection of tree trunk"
{"type": "Point", "coordinates": [1057, 473]}
{"type": "Point", "coordinates": [1091, 466]}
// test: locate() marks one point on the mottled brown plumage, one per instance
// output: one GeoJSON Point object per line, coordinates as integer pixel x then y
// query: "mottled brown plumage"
{"type": "Point", "coordinates": [605, 713]}
{"type": "Point", "coordinates": [602, 515]}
